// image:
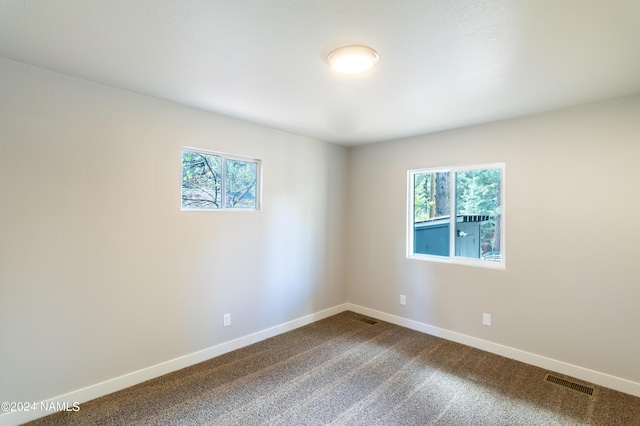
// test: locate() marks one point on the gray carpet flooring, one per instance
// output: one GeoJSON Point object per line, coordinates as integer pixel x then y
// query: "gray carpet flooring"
{"type": "Point", "coordinates": [345, 371]}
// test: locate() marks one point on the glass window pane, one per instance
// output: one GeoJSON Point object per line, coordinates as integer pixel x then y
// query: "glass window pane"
{"type": "Point", "coordinates": [240, 184]}
{"type": "Point", "coordinates": [201, 180]}
{"type": "Point", "coordinates": [431, 213]}
{"type": "Point", "coordinates": [478, 210]}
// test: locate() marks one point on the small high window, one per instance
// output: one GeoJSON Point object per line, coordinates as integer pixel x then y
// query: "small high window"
{"type": "Point", "coordinates": [215, 181]}
{"type": "Point", "coordinates": [456, 214]}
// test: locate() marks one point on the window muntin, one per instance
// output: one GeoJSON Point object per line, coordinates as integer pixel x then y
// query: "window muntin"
{"type": "Point", "coordinates": [215, 181]}
{"type": "Point", "coordinates": [475, 234]}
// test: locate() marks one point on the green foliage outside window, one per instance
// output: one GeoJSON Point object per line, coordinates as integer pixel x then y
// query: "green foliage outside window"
{"type": "Point", "coordinates": [431, 195]}
{"type": "Point", "coordinates": [478, 193]}
{"type": "Point", "coordinates": [240, 189]}
{"type": "Point", "coordinates": [475, 228]}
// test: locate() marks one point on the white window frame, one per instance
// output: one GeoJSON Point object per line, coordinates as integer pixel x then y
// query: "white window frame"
{"type": "Point", "coordinates": [452, 258]}
{"type": "Point", "coordinates": [224, 157]}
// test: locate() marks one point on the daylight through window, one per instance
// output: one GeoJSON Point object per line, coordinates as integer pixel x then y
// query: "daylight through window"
{"type": "Point", "coordinates": [474, 233]}
{"type": "Point", "coordinates": [214, 181]}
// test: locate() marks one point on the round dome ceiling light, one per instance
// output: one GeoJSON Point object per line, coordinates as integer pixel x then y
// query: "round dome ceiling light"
{"type": "Point", "coordinates": [353, 59]}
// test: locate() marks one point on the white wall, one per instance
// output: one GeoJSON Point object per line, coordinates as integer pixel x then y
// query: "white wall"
{"type": "Point", "coordinates": [102, 274]}
{"type": "Point", "coordinates": [571, 288]}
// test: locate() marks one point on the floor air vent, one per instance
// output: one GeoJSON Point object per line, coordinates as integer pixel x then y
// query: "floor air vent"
{"type": "Point", "coordinates": [368, 321]}
{"type": "Point", "coordinates": [569, 384]}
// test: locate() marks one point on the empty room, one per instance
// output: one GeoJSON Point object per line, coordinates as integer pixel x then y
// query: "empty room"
{"type": "Point", "coordinates": [289, 212]}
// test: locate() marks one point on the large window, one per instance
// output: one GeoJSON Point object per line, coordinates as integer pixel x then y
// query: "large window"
{"type": "Point", "coordinates": [214, 181]}
{"type": "Point", "coordinates": [456, 214]}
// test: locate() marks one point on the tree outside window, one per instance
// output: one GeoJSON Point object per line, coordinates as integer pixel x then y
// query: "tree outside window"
{"type": "Point", "coordinates": [475, 233]}
{"type": "Point", "coordinates": [213, 181]}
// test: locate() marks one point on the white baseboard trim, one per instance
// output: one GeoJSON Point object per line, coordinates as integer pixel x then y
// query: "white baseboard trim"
{"type": "Point", "coordinates": [591, 376]}
{"type": "Point", "coordinates": [88, 393]}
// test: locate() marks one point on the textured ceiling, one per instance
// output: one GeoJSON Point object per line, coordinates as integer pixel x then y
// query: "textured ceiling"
{"type": "Point", "coordinates": [443, 63]}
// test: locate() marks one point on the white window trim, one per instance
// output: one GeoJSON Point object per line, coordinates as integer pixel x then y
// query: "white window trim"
{"type": "Point", "coordinates": [224, 157]}
{"type": "Point", "coordinates": [452, 258]}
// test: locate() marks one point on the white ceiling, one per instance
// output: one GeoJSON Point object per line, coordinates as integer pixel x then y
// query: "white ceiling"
{"type": "Point", "coordinates": [443, 63]}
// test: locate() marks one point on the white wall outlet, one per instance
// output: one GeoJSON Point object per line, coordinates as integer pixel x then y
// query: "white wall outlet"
{"type": "Point", "coordinates": [486, 319]}
{"type": "Point", "coordinates": [226, 320]}
{"type": "Point", "coordinates": [403, 299]}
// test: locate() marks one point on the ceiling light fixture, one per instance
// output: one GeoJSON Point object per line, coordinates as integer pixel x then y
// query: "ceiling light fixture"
{"type": "Point", "coordinates": [353, 59]}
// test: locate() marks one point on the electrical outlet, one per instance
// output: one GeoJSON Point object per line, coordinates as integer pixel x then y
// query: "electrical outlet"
{"type": "Point", "coordinates": [403, 299]}
{"type": "Point", "coordinates": [227, 320]}
{"type": "Point", "coordinates": [486, 319]}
